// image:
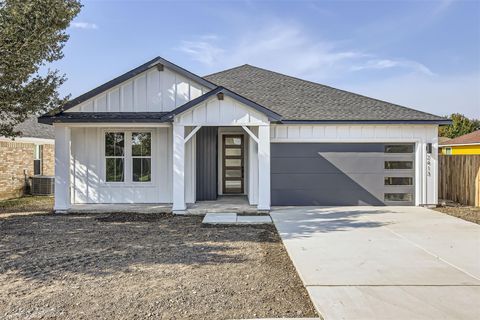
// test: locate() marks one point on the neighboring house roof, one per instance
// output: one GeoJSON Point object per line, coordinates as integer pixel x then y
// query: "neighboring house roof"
{"type": "Point", "coordinates": [30, 128]}
{"type": "Point", "coordinates": [301, 100]}
{"type": "Point", "coordinates": [84, 117]}
{"type": "Point", "coordinates": [466, 139]}
{"type": "Point", "coordinates": [270, 114]}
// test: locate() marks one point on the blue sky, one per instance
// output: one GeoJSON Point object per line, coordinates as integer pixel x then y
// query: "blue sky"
{"type": "Point", "coordinates": [421, 54]}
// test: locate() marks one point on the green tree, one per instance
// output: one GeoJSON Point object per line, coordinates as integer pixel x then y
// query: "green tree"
{"type": "Point", "coordinates": [460, 125]}
{"type": "Point", "coordinates": [32, 35]}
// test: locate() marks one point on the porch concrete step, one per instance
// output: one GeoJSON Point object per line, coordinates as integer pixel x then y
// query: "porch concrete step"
{"type": "Point", "coordinates": [233, 218]}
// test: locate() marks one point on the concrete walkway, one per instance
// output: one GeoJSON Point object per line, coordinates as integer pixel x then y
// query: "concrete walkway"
{"type": "Point", "coordinates": [384, 262]}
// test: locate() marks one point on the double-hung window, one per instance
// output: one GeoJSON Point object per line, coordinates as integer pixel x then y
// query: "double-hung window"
{"type": "Point", "coordinates": [114, 156]}
{"type": "Point", "coordinates": [128, 156]}
{"type": "Point", "coordinates": [141, 156]}
{"type": "Point", "coordinates": [37, 160]}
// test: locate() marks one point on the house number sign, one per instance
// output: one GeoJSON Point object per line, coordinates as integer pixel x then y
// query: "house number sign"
{"type": "Point", "coordinates": [429, 164]}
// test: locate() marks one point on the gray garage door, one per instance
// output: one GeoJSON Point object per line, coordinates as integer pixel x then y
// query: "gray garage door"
{"type": "Point", "coordinates": [332, 174]}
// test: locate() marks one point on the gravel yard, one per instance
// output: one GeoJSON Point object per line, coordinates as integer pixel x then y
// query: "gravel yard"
{"type": "Point", "coordinates": [136, 266]}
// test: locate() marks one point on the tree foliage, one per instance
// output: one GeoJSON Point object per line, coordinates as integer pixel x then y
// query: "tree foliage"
{"type": "Point", "coordinates": [460, 125]}
{"type": "Point", "coordinates": [32, 35]}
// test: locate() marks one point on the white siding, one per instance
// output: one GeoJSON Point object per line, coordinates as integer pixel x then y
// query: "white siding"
{"type": "Point", "coordinates": [150, 91]}
{"type": "Point", "coordinates": [227, 112]}
{"type": "Point", "coordinates": [89, 185]}
{"type": "Point", "coordinates": [426, 166]}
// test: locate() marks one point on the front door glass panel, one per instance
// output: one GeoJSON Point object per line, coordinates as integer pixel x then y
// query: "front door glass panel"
{"type": "Point", "coordinates": [233, 164]}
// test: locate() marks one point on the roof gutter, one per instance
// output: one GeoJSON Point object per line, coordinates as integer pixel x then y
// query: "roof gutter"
{"type": "Point", "coordinates": [431, 122]}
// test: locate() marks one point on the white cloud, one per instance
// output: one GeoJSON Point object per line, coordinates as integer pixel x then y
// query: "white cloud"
{"type": "Point", "coordinates": [202, 50]}
{"type": "Point", "coordinates": [83, 25]}
{"type": "Point", "coordinates": [380, 64]}
{"type": "Point", "coordinates": [288, 48]}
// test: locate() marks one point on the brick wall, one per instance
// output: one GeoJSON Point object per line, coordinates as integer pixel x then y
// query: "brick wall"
{"type": "Point", "coordinates": [48, 160]}
{"type": "Point", "coordinates": [16, 165]}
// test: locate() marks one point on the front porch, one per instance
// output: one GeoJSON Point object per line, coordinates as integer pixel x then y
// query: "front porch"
{"type": "Point", "coordinates": [213, 146]}
{"type": "Point", "coordinates": [232, 204]}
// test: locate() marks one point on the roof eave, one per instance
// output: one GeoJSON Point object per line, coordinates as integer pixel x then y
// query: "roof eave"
{"type": "Point", "coordinates": [432, 122]}
{"type": "Point", "coordinates": [272, 116]}
{"type": "Point", "coordinates": [460, 144]}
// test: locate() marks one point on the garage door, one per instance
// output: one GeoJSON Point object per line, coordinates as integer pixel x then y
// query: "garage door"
{"type": "Point", "coordinates": [332, 174]}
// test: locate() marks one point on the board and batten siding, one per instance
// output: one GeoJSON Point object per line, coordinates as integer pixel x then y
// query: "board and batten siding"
{"type": "Point", "coordinates": [150, 91]}
{"type": "Point", "coordinates": [426, 165]}
{"type": "Point", "coordinates": [88, 169]}
{"type": "Point", "coordinates": [226, 112]}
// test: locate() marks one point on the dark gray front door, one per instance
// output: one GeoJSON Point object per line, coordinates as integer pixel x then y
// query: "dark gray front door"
{"type": "Point", "coordinates": [331, 174]}
{"type": "Point", "coordinates": [206, 149]}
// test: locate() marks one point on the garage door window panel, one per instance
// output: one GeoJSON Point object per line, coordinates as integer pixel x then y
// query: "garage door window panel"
{"type": "Point", "coordinates": [401, 197]}
{"type": "Point", "coordinates": [399, 148]}
{"type": "Point", "coordinates": [398, 181]}
{"type": "Point", "coordinates": [398, 165]}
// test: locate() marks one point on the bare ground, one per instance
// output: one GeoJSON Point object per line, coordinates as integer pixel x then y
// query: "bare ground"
{"type": "Point", "coordinates": [133, 266]}
{"type": "Point", "coordinates": [467, 213]}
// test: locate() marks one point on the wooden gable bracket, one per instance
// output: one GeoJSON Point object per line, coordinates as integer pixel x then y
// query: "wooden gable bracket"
{"type": "Point", "coordinates": [220, 96]}
{"type": "Point", "coordinates": [160, 67]}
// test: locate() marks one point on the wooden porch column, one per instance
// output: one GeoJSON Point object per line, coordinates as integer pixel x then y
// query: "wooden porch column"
{"type": "Point", "coordinates": [178, 168]}
{"type": "Point", "coordinates": [62, 169]}
{"type": "Point", "coordinates": [263, 167]}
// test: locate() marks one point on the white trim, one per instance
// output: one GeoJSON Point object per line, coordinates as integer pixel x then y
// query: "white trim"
{"type": "Point", "coordinates": [347, 140]}
{"type": "Point", "coordinates": [254, 137]}
{"type": "Point", "coordinates": [231, 130]}
{"type": "Point", "coordinates": [113, 125]}
{"type": "Point", "coordinates": [191, 134]}
{"type": "Point", "coordinates": [128, 160]}
{"type": "Point", "coordinates": [29, 140]}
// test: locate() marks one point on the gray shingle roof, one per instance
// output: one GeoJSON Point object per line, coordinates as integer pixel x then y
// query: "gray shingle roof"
{"type": "Point", "coordinates": [301, 100]}
{"type": "Point", "coordinates": [30, 128]}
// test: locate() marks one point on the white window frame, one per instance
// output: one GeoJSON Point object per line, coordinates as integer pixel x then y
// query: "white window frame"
{"type": "Point", "coordinates": [142, 157]}
{"type": "Point", "coordinates": [38, 155]}
{"type": "Point", "coordinates": [128, 159]}
{"type": "Point", "coordinates": [105, 157]}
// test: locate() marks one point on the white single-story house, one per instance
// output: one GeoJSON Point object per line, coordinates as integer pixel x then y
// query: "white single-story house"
{"type": "Point", "coordinates": [161, 134]}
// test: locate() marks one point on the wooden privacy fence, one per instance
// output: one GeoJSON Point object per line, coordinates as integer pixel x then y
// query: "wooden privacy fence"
{"type": "Point", "coordinates": [459, 179]}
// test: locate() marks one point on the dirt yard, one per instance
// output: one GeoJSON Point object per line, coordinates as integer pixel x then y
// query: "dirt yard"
{"type": "Point", "coordinates": [135, 266]}
{"type": "Point", "coordinates": [467, 213]}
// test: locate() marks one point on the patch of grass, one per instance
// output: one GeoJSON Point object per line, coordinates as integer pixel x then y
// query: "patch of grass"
{"type": "Point", "coordinates": [467, 213]}
{"type": "Point", "coordinates": [27, 204]}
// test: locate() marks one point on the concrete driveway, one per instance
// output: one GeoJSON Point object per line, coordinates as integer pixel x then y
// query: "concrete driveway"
{"type": "Point", "coordinates": [384, 262]}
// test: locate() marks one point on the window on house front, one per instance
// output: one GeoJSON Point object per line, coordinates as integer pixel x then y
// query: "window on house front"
{"type": "Point", "coordinates": [37, 159]}
{"type": "Point", "coordinates": [448, 151]}
{"type": "Point", "coordinates": [114, 156]}
{"type": "Point", "coordinates": [141, 156]}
